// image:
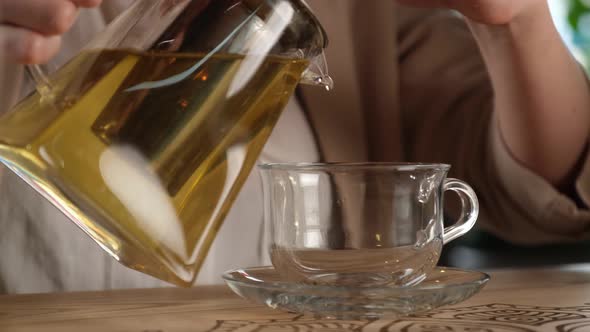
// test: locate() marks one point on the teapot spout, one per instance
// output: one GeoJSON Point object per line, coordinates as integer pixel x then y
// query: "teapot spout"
{"type": "Point", "coordinates": [317, 73]}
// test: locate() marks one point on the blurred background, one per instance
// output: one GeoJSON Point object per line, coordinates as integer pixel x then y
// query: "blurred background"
{"type": "Point", "coordinates": [572, 18]}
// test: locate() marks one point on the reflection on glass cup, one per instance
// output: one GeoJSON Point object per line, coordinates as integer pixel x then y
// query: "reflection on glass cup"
{"type": "Point", "coordinates": [366, 224]}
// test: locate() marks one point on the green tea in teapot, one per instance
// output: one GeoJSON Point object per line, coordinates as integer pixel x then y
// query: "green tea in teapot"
{"type": "Point", "coordinates": [147, 151]}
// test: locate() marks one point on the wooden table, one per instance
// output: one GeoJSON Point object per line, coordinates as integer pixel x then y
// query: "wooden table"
{"type": "Point", "coordinates": [551, 299]}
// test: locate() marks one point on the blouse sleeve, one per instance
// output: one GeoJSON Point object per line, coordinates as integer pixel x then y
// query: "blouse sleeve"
{"type": "Point", "coordinates": [447, 103]}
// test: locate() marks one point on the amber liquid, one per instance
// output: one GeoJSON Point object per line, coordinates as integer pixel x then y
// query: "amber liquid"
{"type": "Point", "coordinates": [146, 152]}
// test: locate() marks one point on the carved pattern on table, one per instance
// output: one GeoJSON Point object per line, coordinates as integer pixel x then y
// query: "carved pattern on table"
{"type": "Point", "coordinates": [495, 317]}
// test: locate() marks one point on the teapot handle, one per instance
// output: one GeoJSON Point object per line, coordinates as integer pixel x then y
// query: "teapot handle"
{"type": "Point", "coordinates": [38, 73]}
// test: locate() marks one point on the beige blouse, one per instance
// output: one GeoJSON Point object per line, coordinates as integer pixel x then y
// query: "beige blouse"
{"type": "Point", "coordinates": [410, 86]}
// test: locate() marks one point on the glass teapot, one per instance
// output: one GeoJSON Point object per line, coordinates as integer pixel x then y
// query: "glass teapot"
{"type": "Point", "coordinates": [145, 137]}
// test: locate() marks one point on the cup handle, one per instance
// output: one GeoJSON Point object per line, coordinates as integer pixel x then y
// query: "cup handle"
{"type": "Point", "coordinates": [469, 209]}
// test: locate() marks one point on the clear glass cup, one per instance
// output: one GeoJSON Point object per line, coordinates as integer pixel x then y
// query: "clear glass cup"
{"type": "Point", "coordinates": [363, 224]}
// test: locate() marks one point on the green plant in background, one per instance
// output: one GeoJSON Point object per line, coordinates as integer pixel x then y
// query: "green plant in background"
{"type": "Point", "coordinates": [578, 19]}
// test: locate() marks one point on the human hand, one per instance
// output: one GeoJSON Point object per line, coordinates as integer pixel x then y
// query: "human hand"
{"type": "Point", "coordinates": [491, 12]}
{"type": "Point", "coordinates": [30, 30]}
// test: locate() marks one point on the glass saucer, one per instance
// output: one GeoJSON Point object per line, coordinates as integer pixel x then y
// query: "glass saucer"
{"type": "Point", "coordinates": [443, 286]}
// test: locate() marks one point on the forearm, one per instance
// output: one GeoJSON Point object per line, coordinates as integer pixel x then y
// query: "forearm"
{"type": "Point", "coordinates": [542, 100]}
